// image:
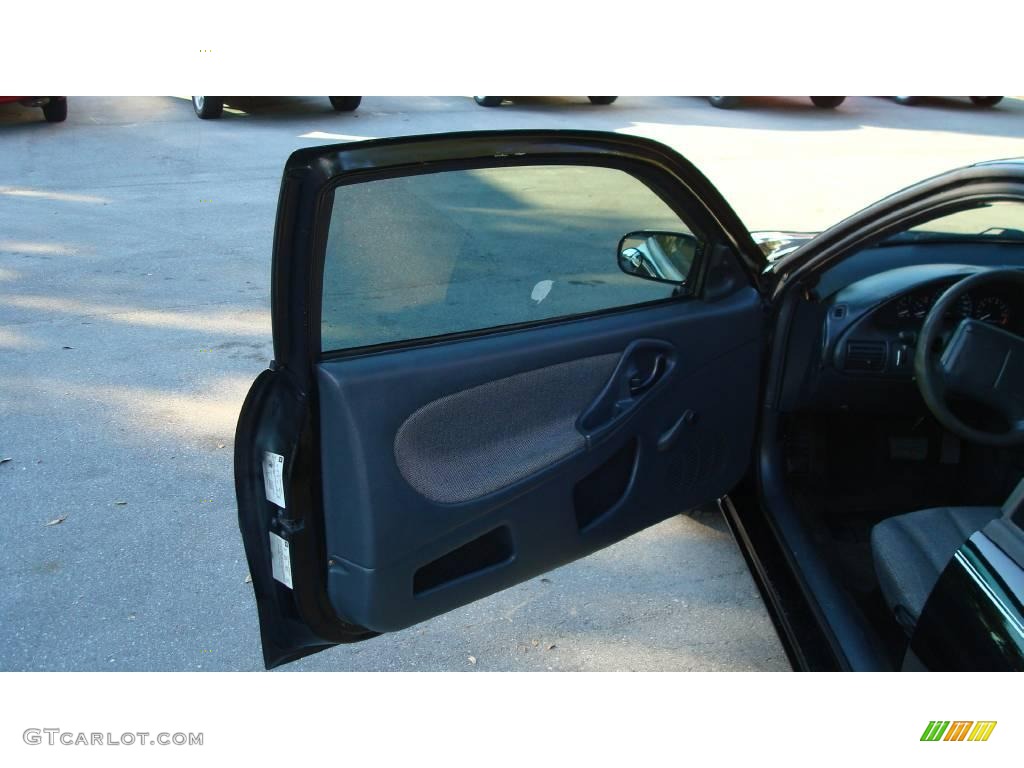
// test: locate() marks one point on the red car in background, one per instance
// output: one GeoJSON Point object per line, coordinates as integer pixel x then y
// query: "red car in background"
{"type": "Point", "coordinates": [55, 108]}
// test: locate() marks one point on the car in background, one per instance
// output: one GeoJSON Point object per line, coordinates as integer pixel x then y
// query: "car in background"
{"type": "Point", "coordinates": [495, 101]}
{"type": "Point", "coordinates": [210, 107]}
{"type": "Point", "coordinates": [981, 101]}
{"type": "Point", "coordinates": [55, 108]}
{"type": "Point", "coordinates": [728, 102]}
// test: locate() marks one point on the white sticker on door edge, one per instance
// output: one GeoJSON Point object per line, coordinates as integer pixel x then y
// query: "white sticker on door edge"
{"type": "Point", "coordinates": [280, 560]}
{"type": "Point", "coordinates": [273, 478]}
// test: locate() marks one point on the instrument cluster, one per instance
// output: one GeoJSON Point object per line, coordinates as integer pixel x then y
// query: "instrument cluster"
{"type": "Point", "coordinates": [988, 305]}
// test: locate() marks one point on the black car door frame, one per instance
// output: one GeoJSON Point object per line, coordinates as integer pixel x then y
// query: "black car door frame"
{"type": "Point", "coordinates": [277, 414]}
{"type": "Point", "coordinates": [311, 176]}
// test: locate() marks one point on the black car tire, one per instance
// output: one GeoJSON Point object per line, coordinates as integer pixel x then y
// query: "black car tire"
{"type": "Point", "coordinates": [488, 101]}
{"type": "Point", "coordinates": [602, 99]}
{"type": "Point", "coordinates": [208, 107]}
{"type": "Point", "coordinates": [986, 101]}
{"type": "Point", "coordinates": [827, 102]}
{"type": "Point", "coordinates": [907, 101]}
{"type": "Point", "coordinates": [724, 102]}
{"type": "Point", "coordinates": [345, 103]}
{"type": "Point", "coordinates": [56, 109]}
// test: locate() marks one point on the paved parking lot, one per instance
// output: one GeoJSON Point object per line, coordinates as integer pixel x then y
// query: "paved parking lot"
{"type": "Point", "coordinates": [134, 312]}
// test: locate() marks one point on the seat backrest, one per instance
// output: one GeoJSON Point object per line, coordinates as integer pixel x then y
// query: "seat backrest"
{"type": "Point", "coordinates": [1007, 531]}
{"type": "Point", "coordinates": [1013, 507]}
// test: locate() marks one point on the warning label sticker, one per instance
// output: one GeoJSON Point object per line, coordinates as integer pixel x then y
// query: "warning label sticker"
{"type": "Point", "coordinates": [273, 478]}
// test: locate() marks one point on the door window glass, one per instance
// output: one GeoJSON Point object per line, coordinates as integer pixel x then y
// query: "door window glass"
{"type": "Point", "coordinates": [440, 253]}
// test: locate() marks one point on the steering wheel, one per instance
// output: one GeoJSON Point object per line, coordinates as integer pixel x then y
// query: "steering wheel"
{"type": "Point", "coordinates": [980, 362]}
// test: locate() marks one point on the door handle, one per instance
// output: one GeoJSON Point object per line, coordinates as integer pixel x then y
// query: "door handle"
{"type": "Point", "coordinates": [638, 385]}
{"type": "Point", "coordinates": [645, 364]}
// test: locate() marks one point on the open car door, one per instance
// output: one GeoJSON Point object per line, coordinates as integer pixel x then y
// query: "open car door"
{"type": "Point", "coordinates": [495, 352]}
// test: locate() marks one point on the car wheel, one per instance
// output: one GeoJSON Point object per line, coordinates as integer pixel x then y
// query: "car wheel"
{"type": "Point", "coordinates": [724, 102]}
{"type": "Point", "coordinates": [907, 101]}
{"type": "Point", "coordinates": [208, 107]}
{"type": "Point", "coordinates": [56, 109]}
{"type": "Point", "coordinates": [986, 101]}
{"type": "Point", "coordinates": [488, 101]}
{"type": "Point", "coordinates": [827, 102]}
{"type": "Point", "coordinates": [602, 99]}
{"type": "Point", "coordinates": [345, 103]}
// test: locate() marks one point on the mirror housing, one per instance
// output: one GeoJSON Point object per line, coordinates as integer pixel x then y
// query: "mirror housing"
{"type": "Point", "coordinates": [665, 257]}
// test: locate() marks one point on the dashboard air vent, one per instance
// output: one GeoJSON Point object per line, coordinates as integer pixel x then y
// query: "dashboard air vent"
{"type": "Point", "coordinates": [865, 355]}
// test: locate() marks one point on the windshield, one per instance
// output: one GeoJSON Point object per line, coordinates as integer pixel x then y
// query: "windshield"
{"type": "Point", "coordinates": [988, 235]}
{"type": "Point", "coordinates": [1001, 220]}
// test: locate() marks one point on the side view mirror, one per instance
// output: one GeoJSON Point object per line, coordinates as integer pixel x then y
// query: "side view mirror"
{"type": "Point", "coordinates": [666, 257]}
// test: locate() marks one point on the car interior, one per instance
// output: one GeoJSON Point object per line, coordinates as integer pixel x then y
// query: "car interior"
{"type": "Point", "coordinates": [886, 491]}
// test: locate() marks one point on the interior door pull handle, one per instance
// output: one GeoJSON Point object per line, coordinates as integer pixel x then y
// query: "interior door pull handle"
{"type": "Point", "coordinates": [636, 385]}
{"type": "Point", "coordinates": [644, 366]}
{"type": "Point", "coordinates": [671, 435]}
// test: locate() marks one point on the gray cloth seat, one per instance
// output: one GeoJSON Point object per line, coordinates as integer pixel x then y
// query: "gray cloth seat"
{"type": "Point", "coordinates": [911, 551]}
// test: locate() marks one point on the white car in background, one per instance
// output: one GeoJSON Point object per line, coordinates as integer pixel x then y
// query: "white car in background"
{"type": "Point", "coordinates": [210, 107]}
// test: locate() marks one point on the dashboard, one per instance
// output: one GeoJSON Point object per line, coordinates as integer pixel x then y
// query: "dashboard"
{"type": "Point", "coordinates": [871, 326]}
{"type": "Point", "coordinates": [853, 337]}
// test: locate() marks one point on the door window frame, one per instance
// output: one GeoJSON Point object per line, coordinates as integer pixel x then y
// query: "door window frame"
{"type": "Point", "coordinates": [313, 175]}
